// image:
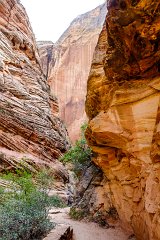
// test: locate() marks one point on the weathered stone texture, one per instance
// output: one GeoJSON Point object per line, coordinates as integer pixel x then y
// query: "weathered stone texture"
{"type": "Point", "coordinates": [123, 107]}
{"type": "Point", "coordinates": [92, 197]}
{"type": "Point", "coordinates": [69, 68]}
{"type": "Point", "coordinates": [30, 132]}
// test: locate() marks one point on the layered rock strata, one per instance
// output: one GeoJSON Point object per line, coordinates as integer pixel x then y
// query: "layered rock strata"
{"type": "Point", "coordinates": [31, 134]}
{"type": "Point", "coordinates": [123, 107]}
{"type": "Point", "coordinates": [70, 64]}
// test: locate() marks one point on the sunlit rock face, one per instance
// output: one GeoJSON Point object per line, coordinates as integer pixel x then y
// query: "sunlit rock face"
{"type": "Point", "coordinates": [31, 134]}
{"type": "Point", "coordinates": [70, 64]}
{"type": "Point", "coordinates": [123, 107]}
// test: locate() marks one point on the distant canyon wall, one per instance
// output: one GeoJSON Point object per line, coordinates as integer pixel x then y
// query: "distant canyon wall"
{"type": "Point", "coordinates": [67, 64]}
{"type": "Point", "coordinates": [31, 134]}
{"type": "Point", "coordinates": [123, 106]}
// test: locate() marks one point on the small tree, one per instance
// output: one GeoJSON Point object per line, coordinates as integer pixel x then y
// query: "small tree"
{"type": "Point", "coordinates": [25, 205]}
{"type": "Point", "coordinates": [79, 154]}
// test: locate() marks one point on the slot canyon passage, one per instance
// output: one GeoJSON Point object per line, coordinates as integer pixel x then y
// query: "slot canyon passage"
{"type": "Point", "coordinates": [107, 64]}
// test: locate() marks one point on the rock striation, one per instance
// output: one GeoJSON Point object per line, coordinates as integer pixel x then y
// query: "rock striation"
{"type": "Point", "coordinates": [31, 134]}
{"type": "Point", "coordinates": [123, 108]}
{"type": "Point", "coordinates": [67, 64]}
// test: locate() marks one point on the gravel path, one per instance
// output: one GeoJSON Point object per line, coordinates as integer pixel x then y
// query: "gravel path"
{"type": "Point", "coordinates": [87, 230]}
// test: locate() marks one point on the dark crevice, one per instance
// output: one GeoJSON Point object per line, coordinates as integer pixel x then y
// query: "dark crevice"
{"type": "Point", "coordinates": [123, 5]}
{"type": "Point", "coordinates": [134, 2]}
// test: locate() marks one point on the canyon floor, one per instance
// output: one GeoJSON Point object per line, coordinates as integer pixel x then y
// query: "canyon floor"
{"type": "Point", "coordinates": [86, 230]}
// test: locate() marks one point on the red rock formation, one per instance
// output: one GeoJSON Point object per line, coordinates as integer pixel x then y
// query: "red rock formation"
{"type": "Point", "coordinates": [123, 107]}
{"type": "Point", "coordinates": [69, 68]}
{"type": "Point", "coordinates": [30, 133]}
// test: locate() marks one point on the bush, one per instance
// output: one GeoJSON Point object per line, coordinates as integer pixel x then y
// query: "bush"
{"type": "Point", "coordinates": [56, 201]}
{"type": "Point", "coordinates": [25, 219]}
{"type": "Point", "coordinates": [76, 214]}
{"type": "Point", "coordinates": [24, 207]}
{"type": "Point", "coordinates": [79, 154]}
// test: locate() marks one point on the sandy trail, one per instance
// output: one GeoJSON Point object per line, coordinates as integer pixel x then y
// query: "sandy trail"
{"type": "Point", "coordinates": [87, 230]}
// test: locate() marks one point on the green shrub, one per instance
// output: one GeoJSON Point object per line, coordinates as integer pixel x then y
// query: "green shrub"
{"type": "Point", "coordinates": [56, 201]}
{"type": "Point", "coordinates": [25, 219]}
{"type": "Point", "coordinates": [24, 208]}
{"type": "Point", "coordinates": [79, 154]}
{"type": "Point", "coordinates": [76, 214]}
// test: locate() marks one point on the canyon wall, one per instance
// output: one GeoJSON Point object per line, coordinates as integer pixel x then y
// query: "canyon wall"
{"type": "Point", "coordinates": [123, 105]}
{"type": "Point", "coordinates": [46, 50]}
{"type": "Point", "coordinates": [69, 65]}
{"type": "Point", "coordinates": [31, 134]}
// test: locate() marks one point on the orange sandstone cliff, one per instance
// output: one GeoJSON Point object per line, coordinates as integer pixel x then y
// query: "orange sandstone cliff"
{"type": "Point", "coordinates": [122, 104]}
{"type": "Point", "coordinates": [31, 134]}
{"type": "Point", "coordinates": [67, 63]}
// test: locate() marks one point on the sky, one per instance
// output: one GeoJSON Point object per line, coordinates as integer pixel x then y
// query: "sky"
{"type": "Point", "coordinates": [50, 18]}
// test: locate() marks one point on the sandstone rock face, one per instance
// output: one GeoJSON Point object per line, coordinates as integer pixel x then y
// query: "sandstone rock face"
{"type": "Point", "coordinates": [69, 68]}
{"type": "Point", "coordinates": [30, 131]}
{"type": "Point", "coordinates": [123, 107]}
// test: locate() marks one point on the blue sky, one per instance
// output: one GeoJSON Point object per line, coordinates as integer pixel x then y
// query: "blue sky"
{"type": "Point", "coordinates": [50, 18]}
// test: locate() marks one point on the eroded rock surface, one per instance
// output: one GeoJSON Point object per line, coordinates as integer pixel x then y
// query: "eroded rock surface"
{"type": "Point", "coordinates": [31, 134]}
{"type": "Point", "coordinates": [90, 193]}
{"type": "Point", "coordinates": [68, 70]}
{"type": "Point", "coordinates": [123, 107]}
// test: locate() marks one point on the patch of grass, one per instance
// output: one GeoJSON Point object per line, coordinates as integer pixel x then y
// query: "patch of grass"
{"type": "Point", "coordinates": [56, 201]}
{"type": "Point", "coordinates": [76, 213]}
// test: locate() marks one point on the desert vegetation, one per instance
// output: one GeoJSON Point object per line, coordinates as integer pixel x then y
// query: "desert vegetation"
{"type": "Point", "coordinates": [79, 154]}
{"type": "Point", "coordinates": [25, 204]}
